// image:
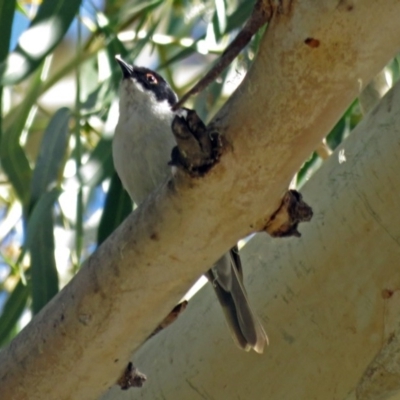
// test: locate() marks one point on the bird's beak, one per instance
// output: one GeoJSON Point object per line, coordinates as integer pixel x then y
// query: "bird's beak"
{"type": "Point", "coordinates": [127, 70]}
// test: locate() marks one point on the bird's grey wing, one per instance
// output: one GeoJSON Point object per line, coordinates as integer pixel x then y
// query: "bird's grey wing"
{"type": "Point", "coordinates": [227, 280]}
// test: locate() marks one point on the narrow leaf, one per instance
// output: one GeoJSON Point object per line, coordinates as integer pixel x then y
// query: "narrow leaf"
{"type": "Point", "coordinates": [16, 166]}
{"type": "Point", "coordinates": [239, 16]}
{"type": "Point", "coordinates": [7, 9]}
{"type": "Point", "coordinates": [40, 242]}
{"type": "Point", "coordinates": [13, 159]}
{"type": "Point", "coordinates": [117, 207]}
{"type": "Point", "coordinates": [219, 19]}
{"type": "Point", "coordinates": [12, 311]}
{"type": "Point", "coordinates": [21, 9]}
{"type": "Point", "coordinates": [51, 154]}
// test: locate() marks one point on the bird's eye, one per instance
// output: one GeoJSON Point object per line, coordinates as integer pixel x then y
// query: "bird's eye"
{"type": "Point", "coordinates": [151, 79]}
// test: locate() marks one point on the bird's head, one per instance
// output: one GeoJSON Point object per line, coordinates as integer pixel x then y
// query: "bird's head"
{"type": "Point", "coordinates": [142, 87]}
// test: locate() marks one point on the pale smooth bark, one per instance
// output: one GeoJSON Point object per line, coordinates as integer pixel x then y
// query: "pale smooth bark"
{"type": "Point", "coordinates": [330, 300]}
{"type": "Point", "coordinates": [296, 90]}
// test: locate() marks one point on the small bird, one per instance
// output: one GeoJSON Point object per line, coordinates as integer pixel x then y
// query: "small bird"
{"type": "Point", "coordinates": [141, 150]}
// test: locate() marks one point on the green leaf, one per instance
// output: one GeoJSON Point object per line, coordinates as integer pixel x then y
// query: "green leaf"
{"type": "Point", "coordinates": [13, 158]}
{"type": "Point", "coordinates": [239, 16]}
{"type": "Point", "coordinates": [128, 9]}
{"type": "Point", "coordinates": [184, 53]}
{"type": "Point", "coordinates": [395, 68]}
{"type": "Point", "coordinates": [306, 168]}
{"type": "Point", "coordinates": [51, 155]}
{"type": "Point", "coordinates": [7, 8]}
{"type": "Point", "coordinates": [117, 207]}
{"type": "Point", "coordinates": [219, 19]}
{"type": "Point", "coordinates": [336, 135]}
{"type": "Point", "coordinates": [16, 166]}
{"type": "Point", "coordinates": [21, 9]}
{"type": "Point", "coordinates": [40, 242]}
{"type": "Point", "coordinates": [46, 30]}
{"type": "Point", "coordinates": [12, 311]}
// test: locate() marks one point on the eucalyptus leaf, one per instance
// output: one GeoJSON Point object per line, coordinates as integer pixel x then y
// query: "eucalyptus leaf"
{"type": "Point", "coordinates": [117, 207]}
{"type": "Point", "coordinates": [7, 9]}
{"type": "Point", "coordinates": [219, 19]}
{"type": "Point", "coordinates": [40, 242]}
{"type": "Point", "coordinates": [51, 155]}
{"type": "Point", "coordinates": [12, 311]}
{"type": "Point", "coordinates": [12, 155]}
{"type": "Point", "coordinates": [239, 16]}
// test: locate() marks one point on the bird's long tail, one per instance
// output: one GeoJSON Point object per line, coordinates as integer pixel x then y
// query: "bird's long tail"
{"type": "Point", "coordinates": [227, 280]}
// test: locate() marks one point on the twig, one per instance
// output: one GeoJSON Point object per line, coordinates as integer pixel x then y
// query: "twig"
{"type": "Point", "coordinates": [262, 13]}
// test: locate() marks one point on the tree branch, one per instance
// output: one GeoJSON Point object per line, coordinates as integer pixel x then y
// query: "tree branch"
{"type": "Point", "coordinates": [80, 343]}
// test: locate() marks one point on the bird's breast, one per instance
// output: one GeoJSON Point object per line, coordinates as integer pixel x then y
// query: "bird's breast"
{"type": "Point", "coordinates": [141, 151]}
